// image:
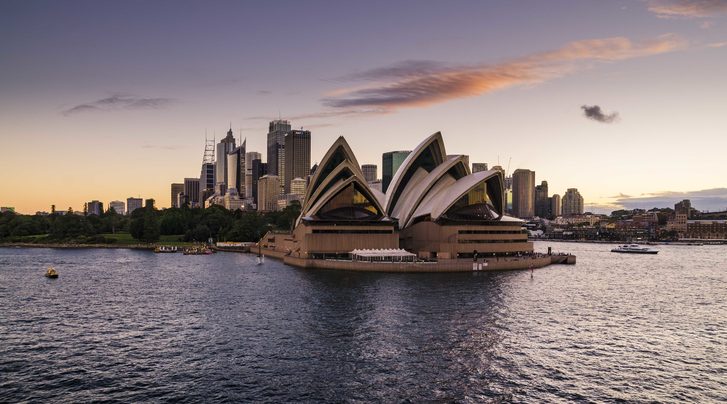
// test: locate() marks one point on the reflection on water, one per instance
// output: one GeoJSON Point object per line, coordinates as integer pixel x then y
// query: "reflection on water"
{"type": "Point", "coordinates": [137, 326]}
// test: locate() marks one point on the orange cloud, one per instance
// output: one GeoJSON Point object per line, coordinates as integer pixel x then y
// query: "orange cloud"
{"type": "Point", "coordinates": [417, 83]}
{"type": "Point", "coordinates": [687, 8]}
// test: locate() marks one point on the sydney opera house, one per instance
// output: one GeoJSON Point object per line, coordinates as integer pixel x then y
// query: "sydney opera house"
{"type": "Point", "coordinates": [435, 209]}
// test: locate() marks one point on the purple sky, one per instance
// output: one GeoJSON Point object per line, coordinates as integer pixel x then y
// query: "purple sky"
{"type": "Point", "coordinates": [106, 100]}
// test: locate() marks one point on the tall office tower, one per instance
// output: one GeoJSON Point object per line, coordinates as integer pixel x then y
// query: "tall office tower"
{"type": "Point", "coordinates": [259, 169]}
{"type": "Point", "coordinates": [233, 161]}
{"type": "Point", "coordinates": [191, 190]}
{"type": "Point", "coordinates": [297, 157]}
{"type": "Point", "coordinates": [555, 206]}
{"type": "Point", "coordinates": [477, 167]}
{"type": "Point", "coordinates": [206, 182]}
{"type": "Point", "coordinates": [236, 169]}
{"type": "Point", "coordinates": [276, 146]}
{"type": "Point", "coordinates": [117, 206]}
{"type": "Point", "coordinates": [177, 188]}
{"type": "Point", "coordinates": [132, 204]}
{"type": "Point", "coordinates": [523, 193]}
{"type": "Point", "coordinates": [390, 162]}
{"type": "Point", "coordinates": [542, 204]}
{"type": "Point", "coordinates": [572, 202]}
{"type": "Point", "coordinates": [249, 157]}
{"type": "Point", "coordinates": [224, 147]}
{"type": "Point", "coordinates": [268, 192]}
{"type": "Point", "coordinates": [370, 171]}
{"type": "Point", "coordinates": [94, 208]}
{"type": "Point", "coordinates": [297, 187]}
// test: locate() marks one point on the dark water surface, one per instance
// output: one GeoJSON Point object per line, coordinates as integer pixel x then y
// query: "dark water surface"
{"type": "Point", "coordinates": [133, 326]}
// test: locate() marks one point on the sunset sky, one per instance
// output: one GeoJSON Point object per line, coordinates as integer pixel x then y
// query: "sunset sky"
{"type": "Point", "coordinates": [106, 100]}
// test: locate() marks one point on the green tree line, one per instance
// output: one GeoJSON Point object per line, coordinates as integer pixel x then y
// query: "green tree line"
{"type": "Point", "coordinates": [147, 224]}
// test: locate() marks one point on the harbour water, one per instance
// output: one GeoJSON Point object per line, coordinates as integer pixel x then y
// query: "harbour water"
{"type": "Point", "coordinates": [133, 326]}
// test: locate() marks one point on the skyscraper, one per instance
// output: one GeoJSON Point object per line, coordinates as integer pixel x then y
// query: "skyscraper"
{"type": "Point", "coordinates": [370, 172]}
{"type": "Point", "coordinates": [572, 202]}
{"type": "Point", "coordinates": [297, 157]}
{"type": "Point", "coordinates": [523, 193]}
{"type": "Point", "coordinates": [191, 190]}
{"type": "Point", "coordinates": [555, 206]}
{"type": "Point", "coordinates": [542, 204]}
{"type": "Point", "coordinates": [206, 182]}
{"type": "Point", "coordinates": [477, 167]}
{"type": "Point", "coordinates": [259, 169]}
{"type": "Point", "coordinates": [390, 162]}
{"type": "Point", "coordinates": [276, 146]}
{"type": "Point", "coordinates": [224, 147]}
{"type": "Point", "coordinates": [177, 188]}
{"type": "Point", "coordinates": [236, 169]}
{"type": "Point", "coordinates": [268, 191]}
{"type": "Point", "coordinates": [249, 157]}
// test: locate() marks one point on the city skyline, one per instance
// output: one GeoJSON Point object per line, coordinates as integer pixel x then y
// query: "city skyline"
{"type": "Point", "coordinates": [619, 100]}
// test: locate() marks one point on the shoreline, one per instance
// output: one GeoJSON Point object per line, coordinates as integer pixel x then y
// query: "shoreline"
{"type": "Point", "coordinates": [78, 246]}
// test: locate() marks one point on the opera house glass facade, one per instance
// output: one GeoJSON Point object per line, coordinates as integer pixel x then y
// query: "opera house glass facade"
{"type": "Point", "coordinates": [434, 207]}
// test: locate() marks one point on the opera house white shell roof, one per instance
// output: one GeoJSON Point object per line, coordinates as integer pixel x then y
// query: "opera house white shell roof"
{"type": "Point", "coordinates": [427, 186]}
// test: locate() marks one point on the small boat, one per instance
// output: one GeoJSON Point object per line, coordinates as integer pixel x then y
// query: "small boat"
{"type": "Point", "coordinates": [197, 251]}
{"type": "Point", "coordinates": [634, 249]}
{"type": "Point", "coordinates": [51, 273]}
{"type": "Point", "coordinates": [165, 249]}
{"type": "Point", "coordinates": [260, 256]}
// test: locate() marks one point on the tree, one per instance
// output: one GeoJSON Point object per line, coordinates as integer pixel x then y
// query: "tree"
{"type": "Point", "coordinates": [151, 226]}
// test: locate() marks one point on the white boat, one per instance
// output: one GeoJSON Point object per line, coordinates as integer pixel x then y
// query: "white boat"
{"type": "Point", "coordinates": [634, 249]}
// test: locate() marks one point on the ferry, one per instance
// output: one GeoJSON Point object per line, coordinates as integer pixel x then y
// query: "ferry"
{"type": "Point", "coordinates": [165, 249]}
{"type": "Point", "coordinates": [634, 249]}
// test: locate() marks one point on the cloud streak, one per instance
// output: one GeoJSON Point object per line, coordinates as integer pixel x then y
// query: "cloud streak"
{"type": "Point", "coordinates": [687, 8]}
{"type": "Point", "coordinates": [118, 102]}
{"type": "Point", "coordinates": [594, 112]}
{"type": "Point", "coordinates": [424, 83]}
{"type": "Point", "coordinates": [713, 199]}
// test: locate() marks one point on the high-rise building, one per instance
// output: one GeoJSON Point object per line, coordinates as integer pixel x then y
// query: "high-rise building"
{"type": "Point", "coordinates": [276, 146]}
{"type": "Point", "coordinates": [477, 167]}
{"type": "Point", "coordinates": [297, 187]}
{"type": "Point", "coordinates": [191, 191]}
{"type": "Point", "coordinates": [249, 157]}
{"type": "Point", "coordinates": [523, 193]}
{"type": "Point", "coordinates": [94, 208]}
{"type": "Point", "coordinates": [224, 147]}
{"type": "Point", "coordinates": [206, 182]}
{"type": "Point", "coordinates": [236, 169]}
{"type": "Point", "coordinates": [555, 206]}
{"type": "Point", "coordinates": [390, 162]}
{"type": "Point", "coordinates": [297, 157]}
{"type": "Point", "coordinates": [117, 206]}
{"type": "Point", "coordinates": [542, 203]}
{"type": "Point", "coordinates": [133, 204]}
{"type": "Point", "coordinates": [370, 172]}
{"type": "Point", "coordinates": [572, 202]}
{"type": "Point", "coordinates": [259, 169]}
{"type": "Point", "coordinates": [268, 192]}
{"type": "Point", "coordinates": [683, 208]}
{"type": "Point", "coordinates": [177, 188]}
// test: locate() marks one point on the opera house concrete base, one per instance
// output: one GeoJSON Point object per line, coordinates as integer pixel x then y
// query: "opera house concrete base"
{"type": "Point", "coordinates": [442, 265]}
